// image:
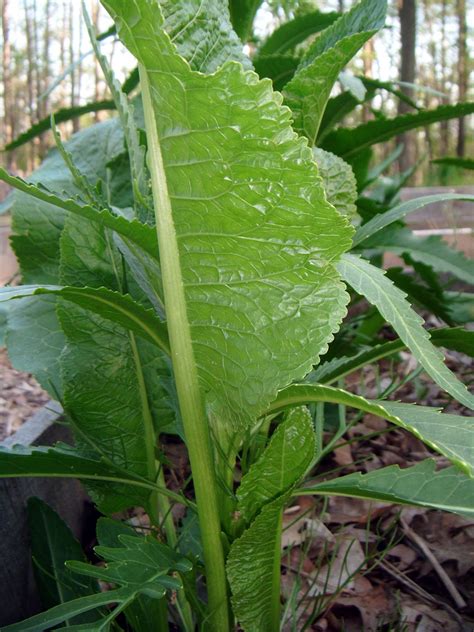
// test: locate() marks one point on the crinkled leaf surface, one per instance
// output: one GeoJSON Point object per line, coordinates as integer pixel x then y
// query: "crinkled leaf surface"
{"type": "Point", "coordinates": [37, 225]}
{"type": "Point", "coordinates": [282, 464]}
{"type": "Point", "coordinates": [451, 435]}
{"type": "Point", "coordinates": [307, 93]}
{"type": "Point", "coordinates": [371, 282]}
{"type": "Point", "coordinates": [256, 237]}
{"type": "Point", "coordinates": [202, 32]}
{"type": "Point", "coordinates": [33, 324]}
{"type": "Point", "coordinates": [251, 566]}
{"type": "Point", "coordinates": [339, 182]}
{"type": "Point", "coordinates": [119, 308]}
{"type": "Point", "coordinates": [421, 485]}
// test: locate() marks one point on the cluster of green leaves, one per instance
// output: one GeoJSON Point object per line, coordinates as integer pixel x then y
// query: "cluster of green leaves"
{"type": "Point", "coordinates": [185, 268]}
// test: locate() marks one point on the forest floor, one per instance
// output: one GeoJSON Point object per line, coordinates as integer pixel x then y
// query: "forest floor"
{"type": "Point", "coordinates": [347, 564]}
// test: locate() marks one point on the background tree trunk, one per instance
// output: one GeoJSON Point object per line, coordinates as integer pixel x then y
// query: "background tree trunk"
{"type": "Point", "coordinates": [9, 116]}
{"type": "Point", "coordinates": [462, 71]}
{"type": "Point", "coordinates": [407, 15]}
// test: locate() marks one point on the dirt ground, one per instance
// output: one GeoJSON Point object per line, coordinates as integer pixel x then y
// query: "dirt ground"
{"type": "Point", "coordinates": [20, 397]}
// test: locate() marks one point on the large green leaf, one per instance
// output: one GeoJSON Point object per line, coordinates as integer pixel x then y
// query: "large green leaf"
{"type": "Point", "coordinates": [104, 392]}
{"type": "Point", "coordinates": [290, 34]}
{"type": "Point", "coordinates": [110, 305]}
{"type": "Point", "coordinates": [338, 181]}
{"type": "Point", "coordinates": [37, 224]}
{"type": "Point", "coordinates": [451, 435]}
{"type": "Point", "coordinates": [279, 68]}
{"type": "Point", "coordinates": [253, 566]}
{"type": "Point", "coordinates": [347, 143]}
{"type": "Point", "coordinates": [52, 544]}
{"type": "Point", "coordinates": [400, 211]}
{"type": "Point", "coordinates": [33, 324]}
{"type": "Point", "coordinates": [253, 571]}
{"type": "Point", "coordinates": [139, 566]}
{"type": "Point", "coordinates": [282, 464]}
{"type": "Point", "coordinates": [421, 485]}
{"type": "Point", "coordinates": [202, 32]}
{"type": "Point", "coordinates": [307, 93]}
{"type": "Point", "coordinates": [242, 13]}
{"type": "Point", "coordinates": [256, 237]}
{"type": "Point", "coordinates": [371, 282]}
{"type": "Point", "coordinates": [432, 251]}
{"type": "Point", "coordinates": [452, 338]}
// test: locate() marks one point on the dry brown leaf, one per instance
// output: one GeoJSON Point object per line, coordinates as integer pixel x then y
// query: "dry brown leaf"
{"type": "Point", "coordinates": [419, 617]}
{"type": "Point", "coordinates": [375, 607]}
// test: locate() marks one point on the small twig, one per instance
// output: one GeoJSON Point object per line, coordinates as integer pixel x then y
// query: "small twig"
{"type": "Point", "coordinates": [413, 587]}
{"type": "Point", "coordinates": [444, 577]}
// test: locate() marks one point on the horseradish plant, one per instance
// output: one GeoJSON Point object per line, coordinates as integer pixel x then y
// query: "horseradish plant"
{"type": "Point", "coordinates": [185, 267]}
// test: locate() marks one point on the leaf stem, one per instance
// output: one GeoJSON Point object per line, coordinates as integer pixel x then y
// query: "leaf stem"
{"type": "Point", "coordinates": [192, 408]}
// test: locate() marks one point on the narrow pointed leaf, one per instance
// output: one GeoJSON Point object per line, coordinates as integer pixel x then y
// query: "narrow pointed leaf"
{"type": "Point", "coordinates": [432, 251]}
{"type": "Point", "coordinates": [452, 161]}
{"type": "Point", "coordinates": [420, 485]}
{"type": "Point", "coordinates": [133, 230]}
{"type": "Point", "coordinates": [65, 612]}
{"type": "Point", "coordinates": [119, 308]}
{"type": "Point", "coordinates": [451, 435]}
{"type": "Point", "coordinates": [242, 13]}
{"type": "Point", "coordinates": [282, 464]}
{"type": "Point", "coordinates": [402, 210]}
{"type": "Point", "coordinates": [371, 282]}
{"type": "Point", "coordinates": [308, 91]}
{"type": "Point", "coordinates": [256, 238]}
{"type": "Point", "coordinates": [347, 143]}
{"type": "Point", "coordinates": [61, 116]}
{"type": "Point", "coordinates": [456, 338]}
{"type": "Point", "coordinates": [63, 461]}
{"type": "Point", "coordinates": [289, 35]}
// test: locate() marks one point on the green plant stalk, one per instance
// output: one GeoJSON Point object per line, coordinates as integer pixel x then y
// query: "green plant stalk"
{"type": "Point", "coordinates": [192, 409]}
